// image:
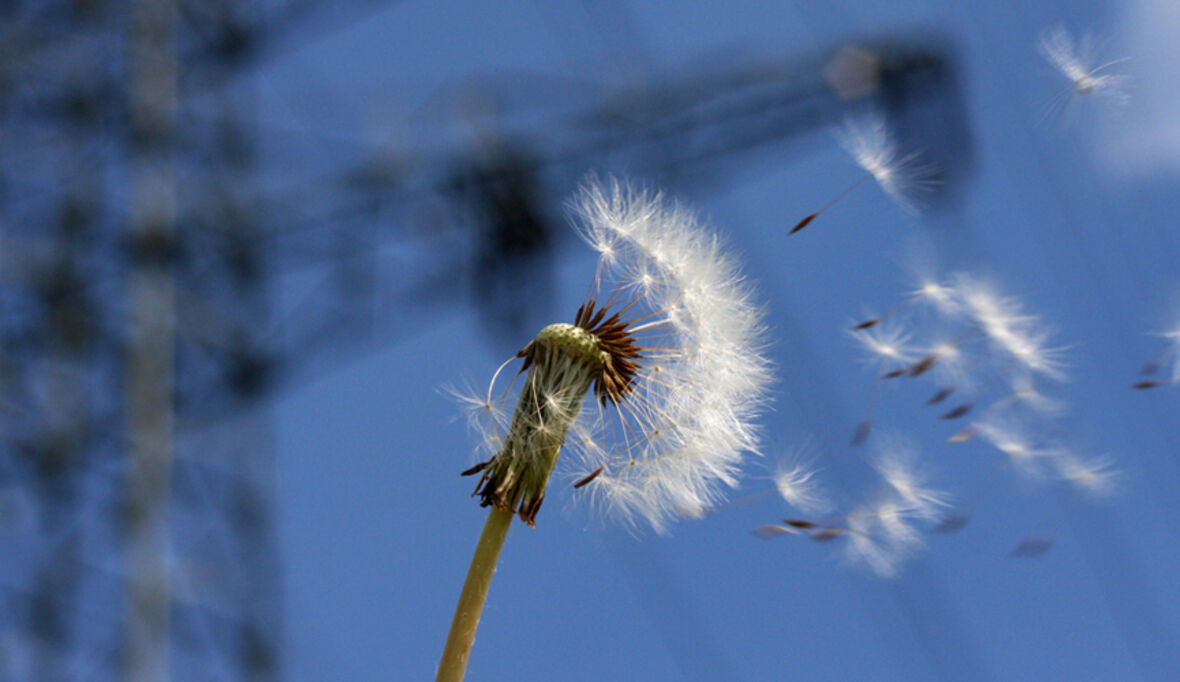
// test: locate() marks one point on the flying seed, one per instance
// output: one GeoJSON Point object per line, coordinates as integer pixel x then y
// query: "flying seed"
{"type": "Point", "coordinates": [803, 223]}
{"type": "Point", "coordinates": [957, 412]}
{"type": "Point", "coordinates": [797, 523]}
{"type": "Point", "coordinates": [923, 365]}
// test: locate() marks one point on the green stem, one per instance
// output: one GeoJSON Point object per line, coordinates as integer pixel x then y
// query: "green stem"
{"type": "Point", "coordinates": [475, 592]}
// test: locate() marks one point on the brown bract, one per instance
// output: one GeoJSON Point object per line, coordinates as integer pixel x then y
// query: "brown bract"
{"type": "Point", "coordinates": [619, 365]}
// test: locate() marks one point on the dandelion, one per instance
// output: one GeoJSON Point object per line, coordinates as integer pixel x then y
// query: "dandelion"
{"type": "Point", "coordinates": [1078, 62]}
{"type": "Point", "coordinates": [869, 143]}
{"type": "Point", "coordinates": [670, 343]}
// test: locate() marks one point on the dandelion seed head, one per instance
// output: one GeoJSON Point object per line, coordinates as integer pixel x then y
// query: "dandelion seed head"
{"type": "Point", "coordinates": [671, 343]}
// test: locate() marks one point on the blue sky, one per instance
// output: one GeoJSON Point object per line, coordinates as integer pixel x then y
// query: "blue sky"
{"type": "Point", "coordinates": [377, 528]}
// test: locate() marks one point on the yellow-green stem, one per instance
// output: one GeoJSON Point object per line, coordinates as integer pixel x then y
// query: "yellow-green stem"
{"type": "Point", "coordinates": [475, 592]}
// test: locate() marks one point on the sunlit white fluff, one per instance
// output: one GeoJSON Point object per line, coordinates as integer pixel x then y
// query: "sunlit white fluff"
{"type": "Point", "coordinates": [1007, 434]}
{"type": "Point", "coordinates": [882, 536]}
{"type": "Point", "coordinates": [1094, 476]}
{"type": "Point", "coordinates": [1013, 333]}
{"type": "Point", "coordinates": [667, 450]}
{"type": "Point", "coordinates": [796, 480]}
{"type": "Point", "coordinates": [884, 532]}
{"type": "Point", "coordinates": [887, 345]}
{"type": "Point", "coordinates": [938, 295]}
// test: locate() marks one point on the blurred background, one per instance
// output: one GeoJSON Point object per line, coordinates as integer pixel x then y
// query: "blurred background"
{"type": "Point", "coordinates": [246, 245]}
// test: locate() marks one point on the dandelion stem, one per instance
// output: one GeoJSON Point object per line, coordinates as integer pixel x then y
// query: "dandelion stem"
{"type": "Point", "coordinates": [471, 600]}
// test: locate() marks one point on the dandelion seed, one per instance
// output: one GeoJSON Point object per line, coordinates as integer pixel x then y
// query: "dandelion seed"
{"type": "Point", "coordinates": [1009, 330]}
{"type": "Point", "coordinates": [795, 480]}
{"type": "Point", "coordinates": [799, 523]}
{"type": "Point", "coordinates": [868, 141]}
{"type": "Point", "coordinates": [671, 345]}
{"type": "Point", "coordinates": [957, 411]}
{"type": "Point", "coordinates": [897, 465]}
{"type": "Point", "coordinates": [1077, 61]}
{"type": "Point", "coordinates": [1011, 438]}
{"type": "Point", "coordinates": [883, 533]}
{"type": "Point", "coordinates": [887, 345]}
{"type": "Point", "coordinates": [881, 537]}
{"type": "Point", "coordinates": [1095, 476]}
{"type": "Point", "coordinates": [922, 366]}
